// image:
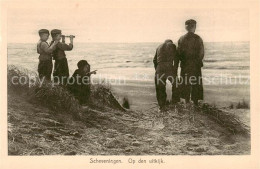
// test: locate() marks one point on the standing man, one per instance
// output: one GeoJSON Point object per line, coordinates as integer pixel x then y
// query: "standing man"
{"type": "Point", "coordinates": [45, 50]}
{"type": "Point", "coordinates": [166, 65]}
{"type": "Point", "coordinates": [191, 53]}
{"type": "Point", "coordinates": [61, 69]}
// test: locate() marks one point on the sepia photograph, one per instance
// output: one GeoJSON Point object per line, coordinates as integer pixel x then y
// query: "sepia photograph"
{"type": "Point", "coordinates": [89, 79]}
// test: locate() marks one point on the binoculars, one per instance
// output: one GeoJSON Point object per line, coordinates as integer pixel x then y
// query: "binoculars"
{"type": "Point", "coordinates": [63, 36]}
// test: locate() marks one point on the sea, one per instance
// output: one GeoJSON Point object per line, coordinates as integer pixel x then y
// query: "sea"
{"type": "Point", "coordinates": [226, 66]}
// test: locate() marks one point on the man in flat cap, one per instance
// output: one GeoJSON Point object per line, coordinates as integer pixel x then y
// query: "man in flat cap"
{"type": "Point", "coordinates": [45, 50]}
{"type": "Point", "coordinates": [166, 65]}
{"type": "Point", "coordinates": [191, 53]}
{"type": "Point", "coordinates": [61, 68]}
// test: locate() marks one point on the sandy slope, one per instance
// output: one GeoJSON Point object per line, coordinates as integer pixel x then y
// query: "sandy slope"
{"type": "Point", "coordinates": [35, 130]}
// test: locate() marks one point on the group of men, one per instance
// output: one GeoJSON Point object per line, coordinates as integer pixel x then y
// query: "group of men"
{"type": "Point", "coordinates": [190, 54]}
{"type": "Point", "coordinates": [79, 83]}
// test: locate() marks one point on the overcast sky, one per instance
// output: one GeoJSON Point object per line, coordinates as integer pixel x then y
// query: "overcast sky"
{"type": "Point", "coordinates": [126, 25]}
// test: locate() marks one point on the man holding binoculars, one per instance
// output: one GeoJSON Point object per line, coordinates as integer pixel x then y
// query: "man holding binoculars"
{"type": "Point", "coordinates": [61, 69]}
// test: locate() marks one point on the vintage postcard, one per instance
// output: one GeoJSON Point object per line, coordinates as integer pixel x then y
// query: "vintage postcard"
{"type": "Point", "coordinates": [117, 84]}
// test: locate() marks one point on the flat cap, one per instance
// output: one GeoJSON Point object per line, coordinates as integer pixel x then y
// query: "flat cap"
{"type": "Point", "coordinates": [190, 22]}
{"type": "Point", "coordinates": [43, 31]}
{"type": "Point", "coordinates": [55, 31]}
{"type": "Point", "coordinates": [168, 41]}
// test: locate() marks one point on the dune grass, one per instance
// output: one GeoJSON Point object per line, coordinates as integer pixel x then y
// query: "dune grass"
{"type": "Point", "coordinates": [240, 105]}
{"type": "Point", "coordinates": [102, 96]}
{"type": "Point", "coordinates": [57, 97]}
{"type": "Point", "coordinates": [226, 119]}
{"type": "Point", "coordinates": [14, 73]}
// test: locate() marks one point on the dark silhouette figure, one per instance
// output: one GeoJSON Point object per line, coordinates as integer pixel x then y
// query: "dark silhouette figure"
{"type": "Point", "coordinates": [191, 53]}
{"type": "Point", "coordinates": [164, 58]}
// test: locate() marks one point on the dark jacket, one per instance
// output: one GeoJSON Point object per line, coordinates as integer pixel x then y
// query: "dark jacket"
{"type": "Point", "coordinates": [166, 52]}
{"type": "Point", "coordinates": [190, 50]}
{"type": "Point", "coordinates": [81, 86]}
{"type": "Point", "coordinates": [59, 53]}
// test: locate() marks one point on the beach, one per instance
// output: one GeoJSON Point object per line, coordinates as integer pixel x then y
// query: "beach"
{"type": "Point", "coordinates": [127, 70]}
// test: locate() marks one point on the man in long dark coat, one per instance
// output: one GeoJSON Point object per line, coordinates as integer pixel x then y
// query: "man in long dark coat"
{"type": "Point", "coordinates": [165, 56]}
{"type": "Point", "coordinates": [191, 53]}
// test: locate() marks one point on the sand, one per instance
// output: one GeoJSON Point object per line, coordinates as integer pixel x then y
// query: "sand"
{"type": "Point", "coordinates": [142, 94]}
{"type": "Point", "coordinates": [36, 130]}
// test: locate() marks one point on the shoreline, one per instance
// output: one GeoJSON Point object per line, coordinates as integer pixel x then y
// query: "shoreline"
{"type": "Point", "coordinates": [141, 93]}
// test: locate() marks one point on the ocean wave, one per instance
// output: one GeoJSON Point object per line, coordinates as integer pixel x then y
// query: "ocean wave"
{"type": "Point", "coordinates": [228, 56]}
{"type": "Point", "coordinates": [211, 61]}
{"type": "Point", "coordinates": [228, 68]}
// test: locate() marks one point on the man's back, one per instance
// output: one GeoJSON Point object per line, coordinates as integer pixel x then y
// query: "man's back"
{"type": "Point", "coordinates": [190, 49]}
{"type": "Point", "coordinates": [166, 53]}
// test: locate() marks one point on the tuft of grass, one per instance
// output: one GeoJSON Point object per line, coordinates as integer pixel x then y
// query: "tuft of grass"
{"type": "Point", "coordinates": [101, 95]}
{"type": "Point", "coordinates": [57, 97]}
{"type": "Point", "coordinates": [126, 103]}
{"type": "Point", "coordinates": [54, 97]}
{"type": "Point", "coordinates": [242, 105]}
{"type": "Point", "coordinates": [231, 106]}
{"type": "Point", "coordinates": [226, 119]}
{"type": "Point", "coordinates": [14, 73]}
